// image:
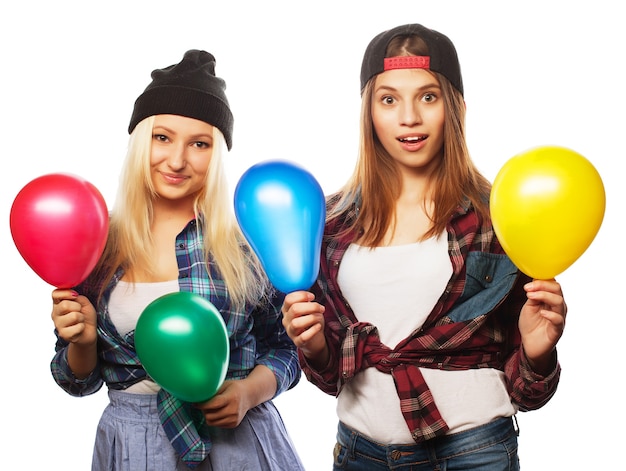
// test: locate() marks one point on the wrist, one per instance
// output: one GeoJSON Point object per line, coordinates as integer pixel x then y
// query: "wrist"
{"type": "Point", "coordinates": [543, 364]}
{"type": "Point", "coordinates": [319, 359]}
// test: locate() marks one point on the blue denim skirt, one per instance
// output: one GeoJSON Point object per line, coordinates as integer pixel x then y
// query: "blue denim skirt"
{"type": "Point", "coordinates": [130, 438]}
{"type": "Point", "coordinates": [490, 447]}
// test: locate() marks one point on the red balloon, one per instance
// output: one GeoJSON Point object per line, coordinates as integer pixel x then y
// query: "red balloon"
{"type": "Point", "coordinates": [59, 223]}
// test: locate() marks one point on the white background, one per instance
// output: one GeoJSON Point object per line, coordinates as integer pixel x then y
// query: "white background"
{"type": "Point", "coordinates": [535, 73]}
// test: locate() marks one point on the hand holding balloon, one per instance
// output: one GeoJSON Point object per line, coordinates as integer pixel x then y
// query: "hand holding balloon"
{"type": "Point", "coordinates": [75, 319]}
{"type": "Point", "coordinates": [281, 210]}
{"type": "Point", "coordinates": [59, 223]}
{"type": "Point", "coordinates": [547, 206]}
{"type": "Point", "coordinates": [182, 342]}
{"type": "Point", "coordinates": [541, 323]}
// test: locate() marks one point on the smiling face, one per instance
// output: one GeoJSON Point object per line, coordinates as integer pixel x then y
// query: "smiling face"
{"type": "Point", "coordinates": [408, 117]}
{"type": "Point", "coordinates": [179, 158]}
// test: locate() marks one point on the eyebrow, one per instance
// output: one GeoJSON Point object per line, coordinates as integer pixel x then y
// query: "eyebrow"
{"type": "Point", "coordinates": [422, 88]}
{"type": "Point", "coordinates": [160, 127]}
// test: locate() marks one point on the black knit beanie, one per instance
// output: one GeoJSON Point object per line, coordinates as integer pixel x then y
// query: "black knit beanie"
{"type": "Point", "coordinates": [442, 56]}
{"type": "Point", "coordinates": [189, 88]}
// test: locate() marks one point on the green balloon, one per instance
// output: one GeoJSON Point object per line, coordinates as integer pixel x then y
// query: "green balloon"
{"type": "Point", "coordinates": [182, 342]}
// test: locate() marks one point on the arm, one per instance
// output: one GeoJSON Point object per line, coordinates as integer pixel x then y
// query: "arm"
{"type": "Point", "coordinates": [541, 324]}
{"type": "Point", "coordinates": [74, 365]}
{"type": "Point", "coordinates": [276, 370]}
{"type": "Point", "coordinates": [236, 397]}
{"type": "Point", "coordinates": [533, 370]}
{"type": "Point", "coordinates": [275, 350]}
{"type": "Point", "coordinates": [307, 325]}
{"type": "Point", "coordinates": [303, 320]}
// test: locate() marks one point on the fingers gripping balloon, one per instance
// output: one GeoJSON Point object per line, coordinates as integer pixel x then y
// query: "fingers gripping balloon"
{"type": "Point", "coordinates": [547, 206]}
{"type": "Point", "coordinates": [59, 223]}
{"type": "Point", "coordinates": [281, 210]}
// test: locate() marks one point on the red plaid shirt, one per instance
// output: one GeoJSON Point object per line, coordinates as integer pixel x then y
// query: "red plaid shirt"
{"type": "Point", "coordinates": [473, 325]}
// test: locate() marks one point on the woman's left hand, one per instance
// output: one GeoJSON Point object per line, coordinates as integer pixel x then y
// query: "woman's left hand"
{"type": "Point", "coordinates": [228, 407]}
{"type": "Point", "coordinates": [541, 323]}
{"type": "Point", "coordinates": [236, 397]}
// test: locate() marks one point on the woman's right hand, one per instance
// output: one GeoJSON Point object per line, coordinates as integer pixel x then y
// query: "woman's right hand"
{"type": "Point", "coordinates": [74, 317]}
{"type": "Point", "coordinates": [303, 319]}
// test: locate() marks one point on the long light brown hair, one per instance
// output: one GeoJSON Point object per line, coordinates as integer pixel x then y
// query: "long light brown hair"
{"type": "Point", "coordinates": [375, 184]}
{"type": "Point", "coordinates": [130, 242]}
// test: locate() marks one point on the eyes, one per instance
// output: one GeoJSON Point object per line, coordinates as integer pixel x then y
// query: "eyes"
{"type": "Point", "coordinates": [427, 97]}
{"type": "Point", "coordinates": [198, 144]}
{"type": "Point", "coordinates": [201, 144]}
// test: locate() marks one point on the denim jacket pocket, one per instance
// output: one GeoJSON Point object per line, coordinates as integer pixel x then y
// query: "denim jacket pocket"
{"type": "Point", "coordinates": [488, 280]}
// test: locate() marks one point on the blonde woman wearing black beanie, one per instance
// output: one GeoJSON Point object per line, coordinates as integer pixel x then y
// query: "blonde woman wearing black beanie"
{"type": "Point", "coordinates": [172, 229]}
{"type": "Point", "coordinates": [423, 328]}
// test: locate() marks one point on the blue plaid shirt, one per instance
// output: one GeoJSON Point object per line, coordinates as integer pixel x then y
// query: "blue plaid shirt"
{"type": "Point", "coordinates": [256, 336]}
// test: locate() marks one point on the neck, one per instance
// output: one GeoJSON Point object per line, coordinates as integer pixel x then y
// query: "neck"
{"type": "Point", "coordinates": [172, 211]}
{"type": "Point", "coordinates": [414, 189]}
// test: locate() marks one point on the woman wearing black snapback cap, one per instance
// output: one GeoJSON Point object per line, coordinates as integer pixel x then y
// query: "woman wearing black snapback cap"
{"type": "Point", "coordinates": [419, 323]}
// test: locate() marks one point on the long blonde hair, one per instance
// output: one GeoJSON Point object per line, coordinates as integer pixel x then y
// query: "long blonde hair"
{"type": "Point", "coordinates": [375, 183]}
{"type": "Point", "coordinates": [130, 241]}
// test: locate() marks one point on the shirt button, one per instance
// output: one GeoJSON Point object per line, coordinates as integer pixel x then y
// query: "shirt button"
{"type": "Point", "coordinates": [181, 246]}
{"type": "Point", "coordinates": [344, 374]}
{"type": "Point", "coordinates": [488, 278]}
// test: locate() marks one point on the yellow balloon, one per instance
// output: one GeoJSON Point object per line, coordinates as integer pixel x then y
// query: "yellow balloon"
{"type": "Point", "coordinates": [547, 205]}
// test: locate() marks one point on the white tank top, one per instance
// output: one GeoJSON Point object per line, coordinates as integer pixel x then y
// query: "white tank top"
{"type": "Point", "coordinates": [395, 288]}
{"type": "Point", "coordinates": [127, 302]}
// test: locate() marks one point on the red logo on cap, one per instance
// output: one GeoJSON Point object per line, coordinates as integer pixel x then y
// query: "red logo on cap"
{"type": "Point", "coordinates": [407, 62]}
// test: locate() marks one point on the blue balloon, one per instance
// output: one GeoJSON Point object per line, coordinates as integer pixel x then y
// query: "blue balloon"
{"type": "Point", "coordinates": [281, 210]}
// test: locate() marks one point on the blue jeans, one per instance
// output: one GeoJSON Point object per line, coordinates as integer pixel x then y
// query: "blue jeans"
{"type": "Point", "coordinates": [490, 447]}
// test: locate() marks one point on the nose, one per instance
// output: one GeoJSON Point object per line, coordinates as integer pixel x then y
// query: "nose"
{"type": "Point", "coordinates": [410, 114]}
{"type": "Point", "coordinates": [177, 159]}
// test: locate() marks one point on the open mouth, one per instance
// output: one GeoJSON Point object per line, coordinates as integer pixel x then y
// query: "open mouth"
{"type": "Point", "coordinates": [412, 139]}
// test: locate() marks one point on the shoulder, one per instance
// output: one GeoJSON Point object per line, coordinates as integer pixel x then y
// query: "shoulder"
{"type": "Point", "coordinates": [474, 230]}
{"type": "Point", "coordinates": [342, 210]}
{"type": "Point", "coordinates": [332, 201]}
{"type": "Point", "coordinates": [100, 283]}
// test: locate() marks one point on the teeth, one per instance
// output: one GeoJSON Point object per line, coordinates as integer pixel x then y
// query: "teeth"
{"type": "Point", "coordinates": [411, 139]}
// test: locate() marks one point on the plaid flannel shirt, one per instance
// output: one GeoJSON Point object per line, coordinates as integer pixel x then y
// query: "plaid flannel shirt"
{"type": "Point", "coordinates": [256, 336]}
{"type": "Point", "coordinates": [473, 325]}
